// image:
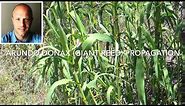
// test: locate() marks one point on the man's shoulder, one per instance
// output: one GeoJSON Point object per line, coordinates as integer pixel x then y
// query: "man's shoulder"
{"type": "Point", "coordinates": [36, 37]}
{"type": "Point", "coordinates": [35, 34]}
{"type": "Point", "coordinates": [6, 37]}
{"type": "Point", "coordinates": [8, 34]}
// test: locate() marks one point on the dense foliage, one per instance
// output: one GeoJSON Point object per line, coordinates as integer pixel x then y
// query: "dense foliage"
{"type": "Point", "coordinates": [73, 28]}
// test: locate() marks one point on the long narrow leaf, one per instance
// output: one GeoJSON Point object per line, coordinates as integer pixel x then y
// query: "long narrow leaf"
{"type": "Point", "coordinates": [109, 93]}
{"type": "Point", "coordinates": [140, 80]}
{"type": "Point", "coordinates": [52, 88]}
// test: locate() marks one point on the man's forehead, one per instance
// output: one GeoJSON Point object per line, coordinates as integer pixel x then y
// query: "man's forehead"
{"type": "Point", "coordinates": [21, 8]}
{"type": "Point", "coordinates": [20, 11]}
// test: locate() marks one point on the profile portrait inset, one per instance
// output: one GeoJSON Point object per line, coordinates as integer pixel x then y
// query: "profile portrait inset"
{"type": "Point", "coordinates": [21, 23]}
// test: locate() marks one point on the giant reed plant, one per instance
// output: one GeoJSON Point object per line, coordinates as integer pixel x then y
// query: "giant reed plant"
{"type": "Point", "coordinates": [99, 79]}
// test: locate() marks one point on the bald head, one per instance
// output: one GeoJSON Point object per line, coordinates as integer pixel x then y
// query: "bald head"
{"type": "Point", "coordinates": [22, 7]}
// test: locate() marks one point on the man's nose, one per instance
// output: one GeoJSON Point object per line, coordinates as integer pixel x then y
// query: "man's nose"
{"type": "Point", "coordinates": [22, 22]}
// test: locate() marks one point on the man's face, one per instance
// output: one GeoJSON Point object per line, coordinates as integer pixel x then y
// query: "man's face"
{"type": "Point", "coordinates": [21, 21]}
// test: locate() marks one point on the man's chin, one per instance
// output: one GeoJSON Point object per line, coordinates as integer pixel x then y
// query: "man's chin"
{"type": "Point", "coordinates": [22, 34]}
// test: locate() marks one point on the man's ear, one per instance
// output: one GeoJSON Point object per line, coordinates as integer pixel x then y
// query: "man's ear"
{"type": "Point", "coordinates": [31, 19]}
{"type": "Point", "coordinates": [12, 19]}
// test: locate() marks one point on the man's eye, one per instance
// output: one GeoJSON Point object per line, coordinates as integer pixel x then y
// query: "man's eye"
{"type": "Point", "coordinates": [18, 19]}
{"type": "Point", "coordinates": [27, 20]}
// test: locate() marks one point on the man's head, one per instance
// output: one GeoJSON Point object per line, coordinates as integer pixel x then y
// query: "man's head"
{"type": "Point", "coordinates": [22, 19]}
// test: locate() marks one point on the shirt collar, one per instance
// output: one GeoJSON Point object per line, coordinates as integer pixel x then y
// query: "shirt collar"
{"type": "Point", "coordinates": [15, 40]}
